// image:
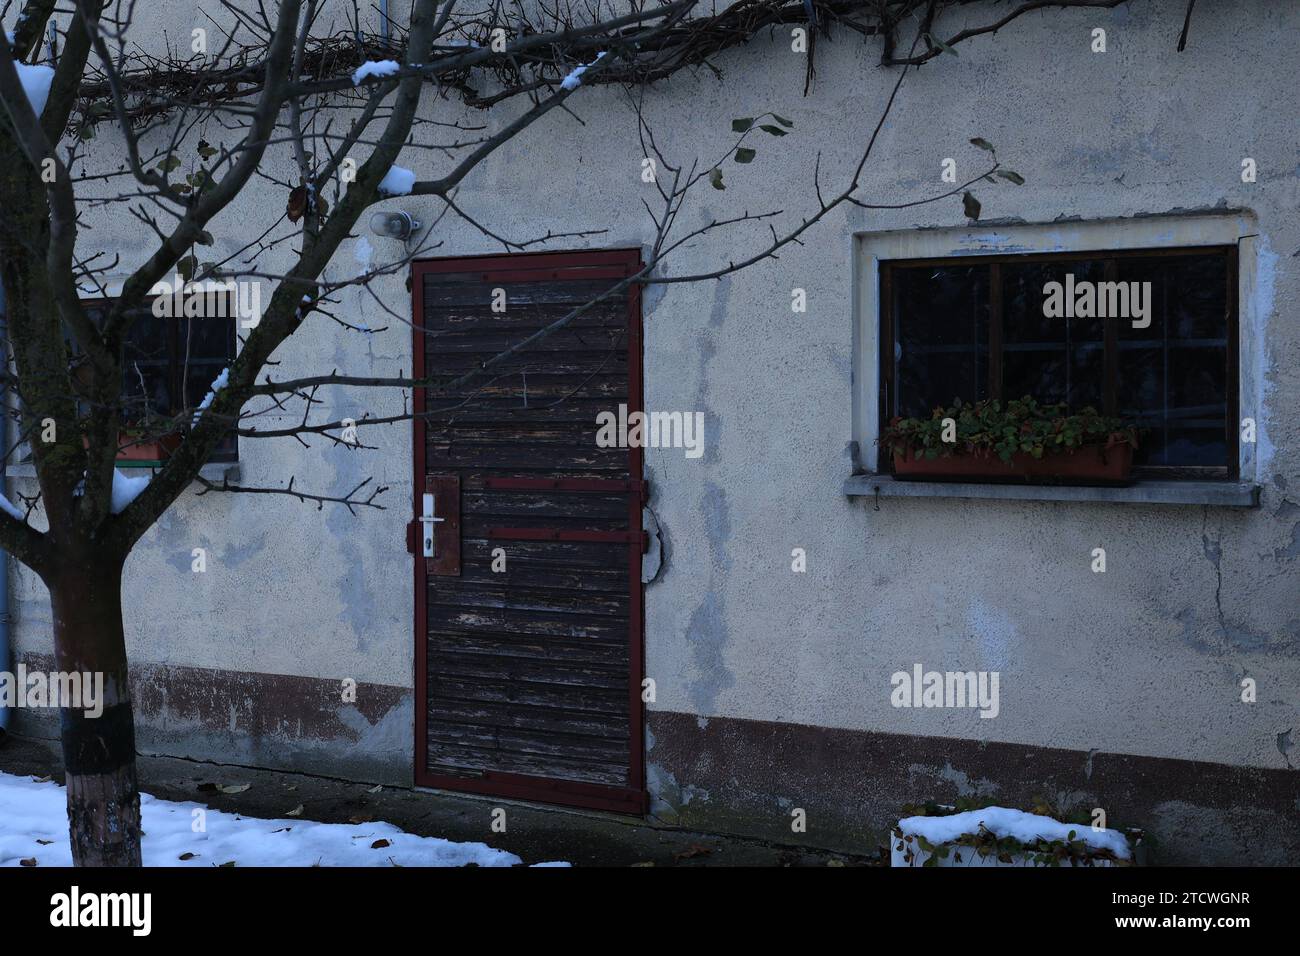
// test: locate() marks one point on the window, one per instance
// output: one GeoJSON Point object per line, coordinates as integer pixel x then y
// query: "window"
{"type": "Point", "coordinates": [1002, 327]}
{"type": "Point", "coordinates": [168, 364]}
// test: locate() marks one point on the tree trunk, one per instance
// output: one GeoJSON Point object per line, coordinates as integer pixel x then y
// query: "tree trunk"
{"type": "Point", "coordinates": [98, 750]}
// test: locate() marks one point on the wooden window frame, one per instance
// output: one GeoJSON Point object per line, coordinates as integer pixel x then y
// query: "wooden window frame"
{"type": "Point", "coordinates": [1110, 384]}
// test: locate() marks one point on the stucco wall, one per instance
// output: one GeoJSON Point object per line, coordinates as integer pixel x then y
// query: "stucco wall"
{"type": "Point", "coordinates": [1145, 659]}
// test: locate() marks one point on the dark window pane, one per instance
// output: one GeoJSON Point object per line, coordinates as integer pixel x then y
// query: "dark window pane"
{"type": "Point", "coordinates": [940, 336]}
{"type": "Point", "coordinates": [1050, 358]}
{"type": "Point", "coordinates": [146, 368]}
{"type": "Point", "coordinates": [146, 391]}
{"type": "Point", "coordinates": [148, 340]}
{"type": "Point", "coordinates": [206, 338]}
{"type": "Point", "coordinates": [1173, 375]}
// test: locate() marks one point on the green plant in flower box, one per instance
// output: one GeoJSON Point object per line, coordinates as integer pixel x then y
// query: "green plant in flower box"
{"type": "Point", "coordinates": [992, 427]}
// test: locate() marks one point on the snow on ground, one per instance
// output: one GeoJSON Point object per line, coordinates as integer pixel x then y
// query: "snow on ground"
{"type": "Point", "coordinates": [397, 182]}
{"type": "Point", "coordinates": [34, 825]}
{"type": "Point", "coordinates": [1025, 827]}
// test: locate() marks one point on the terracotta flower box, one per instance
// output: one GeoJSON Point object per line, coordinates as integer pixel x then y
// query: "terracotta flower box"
{"type": "Point", "coordinates": [1017, 441]}
{"type": "Point", "coordinates": [1095, 464]}
{"type": "Point", "coordinates": [137, 448]}
{"type": "Point", "coordinates": [141, 448]}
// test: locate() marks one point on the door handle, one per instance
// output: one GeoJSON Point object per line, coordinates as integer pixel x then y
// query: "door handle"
{"type": "Point", "coordinates": [428, 518]}
{"type": "Point", "coordinates": [438, 518]}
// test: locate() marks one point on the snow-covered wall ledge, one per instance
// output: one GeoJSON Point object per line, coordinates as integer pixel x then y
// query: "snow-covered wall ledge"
{"type": "Point", "coordinates": [999, 836]}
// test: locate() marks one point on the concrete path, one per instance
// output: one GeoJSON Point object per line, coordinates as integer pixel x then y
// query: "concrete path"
{"type": "Point", "coordinates": [536, 834]}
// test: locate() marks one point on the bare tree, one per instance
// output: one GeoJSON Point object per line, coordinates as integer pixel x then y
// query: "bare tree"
{"type": "Point", "coordinates": [343, 103]}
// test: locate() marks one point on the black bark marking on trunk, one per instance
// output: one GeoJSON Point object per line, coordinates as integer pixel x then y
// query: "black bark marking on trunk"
{"type": "Point", "coordinates": [95, 745]}
{"type": "Point", "coordinates": [103, 796]}
{"type": "Point", "coordinates": [98, 752]}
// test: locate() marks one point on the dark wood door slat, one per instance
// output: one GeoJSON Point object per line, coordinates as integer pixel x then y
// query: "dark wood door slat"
{"type": "Point", "coordinates": [543, 741]}
{"type": "Point", "coordinates": [538, 623]}
{"type": "Point", "coordinates": [445, 756]}
{"type": "Point", "coordinates": [526, 696]}
{"type": "Point", "coordinates": [558, 721]}
{"type": "Point", "coordinates": [524, 647]}
{"type": "Point", "coordinates": [578, 603]}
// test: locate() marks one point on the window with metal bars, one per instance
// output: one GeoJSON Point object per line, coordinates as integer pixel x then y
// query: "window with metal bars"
{"type": "Point", "coordinates": [975, 327]}
{"type": "Point", "coordinates": [169, 364]}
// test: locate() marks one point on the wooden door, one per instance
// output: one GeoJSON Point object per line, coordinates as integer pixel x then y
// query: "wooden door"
{"type": "Point", "coordinates": [529, 653]}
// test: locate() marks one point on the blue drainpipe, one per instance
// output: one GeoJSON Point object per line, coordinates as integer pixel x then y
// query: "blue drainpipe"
{"type": "Point", "coordinates": [5, 650]}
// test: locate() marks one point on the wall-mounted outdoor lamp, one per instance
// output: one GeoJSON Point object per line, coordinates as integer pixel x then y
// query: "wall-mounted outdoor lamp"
{"type": "Point", "coordinates": [394, 225]}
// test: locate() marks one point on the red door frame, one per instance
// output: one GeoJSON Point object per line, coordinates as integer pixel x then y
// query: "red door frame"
{"type": "Point", "coordinates": [612, 264]}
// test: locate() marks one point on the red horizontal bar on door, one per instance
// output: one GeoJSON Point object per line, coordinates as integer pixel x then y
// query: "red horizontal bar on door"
{"type": "Point", "coordinates": [562, 484]}
{"type": "Point", "coordinates": [511, 262]}
{"type": "Point", "coordinates": [564, 534]}
{"type": "Point", "coordinates": [545, 275]}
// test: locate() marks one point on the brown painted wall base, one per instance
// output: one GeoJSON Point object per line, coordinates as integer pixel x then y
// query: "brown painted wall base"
{"type": "Point", "coordinates": [746, 777]}
{"type": "Point", "coordinates": [275, 721]}
{"type": "Point", "coordinates": [729, 775]}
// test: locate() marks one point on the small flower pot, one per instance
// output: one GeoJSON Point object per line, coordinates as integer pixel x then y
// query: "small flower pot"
{"type": "Point", "coordinates": [1090, 464]}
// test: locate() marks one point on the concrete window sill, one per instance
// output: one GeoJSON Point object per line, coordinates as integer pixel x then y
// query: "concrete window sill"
{"type": "Point", "coordinates": [213, 471]}
{"type": "Point", "coordinates": [1228, 494]}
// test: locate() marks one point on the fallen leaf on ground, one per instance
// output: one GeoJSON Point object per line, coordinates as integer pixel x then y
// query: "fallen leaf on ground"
{"type": "Point", "coordinates": [186, 856]}
{"type": "Point", "coordinates": [28, 862]}
{"type": "Point", "coordinates": [379, 844]}
{"type": "Point", "coordinates": [695, 849]}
